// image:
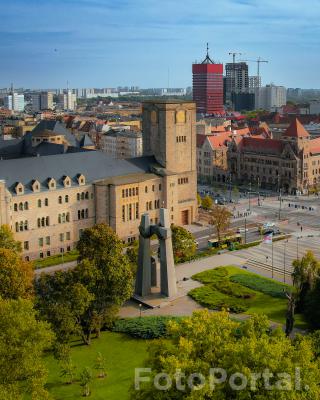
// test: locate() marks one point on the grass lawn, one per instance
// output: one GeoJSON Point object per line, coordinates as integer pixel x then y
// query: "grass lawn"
{"type": "Point", "coordinates": [56, 259]}
{"type": "Point", "coordinates": [122, 354]}
{"type": "Point", "coordinates": [222, 290]}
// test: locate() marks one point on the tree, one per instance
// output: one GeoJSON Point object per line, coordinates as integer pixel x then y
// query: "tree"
{"type": "Point", "coordinates": [132, 253]}
{"type": "Point", "coordinates": [83, 300]}
{"type": "Point", "coordinates": [206, 202]}
{"type": "Point", "coordinates": [220, 218]}
{"type": "Point", "coordinates": [311, 306]}
{"type": "Point", "coordinates": [7, 240]}
{"type": "Point", "coordinates": [16, 275]}
{"type": "Point", "coordinates": [238, 351]}
{"type": "Point", "coordinates": [100, 365]}
{"type": "Point", "coordinates": [85, 380]}
{"type": "Point", "coordinates": [199, 200]}
{"type": "Point", "coordinates": [68, 370]}
{"type": "Point", "coordinates": [184, 246]}
{"type": "Point", "coordinates": [305, 274]}
{"type": "Point", "coordinates": [23, 340]}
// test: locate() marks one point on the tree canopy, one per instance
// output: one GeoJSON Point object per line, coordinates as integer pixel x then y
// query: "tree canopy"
{"type": "Point", "coordinates": [238, 352]}
{"type": "Point", "coordinates": [7, 240]}
{"type": "Point", "coordinates": [220, 219]}
{"type": "Point", "coordinates": [206, 202]}
{"type": "Point", "coordinates": [22, 342]}
{"type": "Point", "coordinates": [184, 246]}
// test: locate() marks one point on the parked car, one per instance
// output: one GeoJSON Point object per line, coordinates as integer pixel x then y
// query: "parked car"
{"type": "Point", "coordinates": [242, 230]}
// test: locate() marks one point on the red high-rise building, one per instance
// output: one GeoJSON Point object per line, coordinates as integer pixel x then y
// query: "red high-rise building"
{"type": "Point", "coordinates": [207, 80]}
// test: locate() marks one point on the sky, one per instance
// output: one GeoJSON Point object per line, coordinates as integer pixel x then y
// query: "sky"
{"type": "Point", "coordinates": [148, 43]}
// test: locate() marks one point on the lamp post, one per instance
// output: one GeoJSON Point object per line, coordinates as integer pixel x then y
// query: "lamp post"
{"type": "Point", "coordinates": [249, 196]}
{"type": "Point", "coordinates": [284, 260]}
{"type": "Point", "coordinates": [230, 179]}
{"type": "Point", "coordinates": [280, 201]}
{"type": "Point", "coordinates": [298, 237]}
{"type": "Point", "coordinates": [258, 182]}
{"type": "Point", "coordinates": [140, 309]}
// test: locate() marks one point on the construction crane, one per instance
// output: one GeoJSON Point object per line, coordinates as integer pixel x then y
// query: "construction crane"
{"type": "Point", "coordinates": [259, 60]}
{"type": "Point", "coordinates": [234, 54]}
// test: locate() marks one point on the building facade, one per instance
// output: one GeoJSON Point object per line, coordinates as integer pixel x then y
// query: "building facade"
{"type": "Point", "coordinates": [121, 144]}
{"type": "Point", "coordinates": [14, 102]}
{"type": "Point", "coordinates": [270, 97]}
{"type": "Point", "coordinates": [42, 101]}
{"type": "Point", "coordinates": [48, 200]}
{"type": "Point", "coordinates": [207, 81]}
{"type": "Point", "coordinates": [237, 79]}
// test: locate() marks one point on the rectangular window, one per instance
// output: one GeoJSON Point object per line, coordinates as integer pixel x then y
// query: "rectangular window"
{"type": "Point", "coordinates": [41, 255]}
{"type": "Point", "coordinates": [137, 210]}
{"type": "Point", "coordinates": [47, 239]}
{"type": "Point", "coordinates": [61, 237]}
{"type": "Point", "coordinates": [130, 212]}
{"type": "Point", "coordinates": [123, 214]}
{"type": "Point", "coordinates": [26, 245]}
{"type": "Point", "coordinates": [160, 187]}
{"type": "Point", "coordinates": [40, 242]}
{"type": "Point", "coordinates": [68, 236]}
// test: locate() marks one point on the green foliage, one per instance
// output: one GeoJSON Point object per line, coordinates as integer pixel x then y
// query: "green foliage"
{"type": "Point", "coordinates": [100, 365]}
{"type": "Point", "coordinates": [211, 275]}
{"type": "Point", "coordinates": [239, 246]}
{"type": "Point", "coordinates": [83, 300]}
{"type": "Point", "coordinates": [199, 199]}
{"type": "Point", "coordinates": [16, 275]}
{"type": "Point", "coordinates": [132, 254]}
{"type": "Point", "coordinates": [7, 240]}
{"type": "Point", "coordinates": [263, 285]}
{"type": "Point", "coordinates": [206, 202]}
{"type": "Point", "coordinates": [208, 296]}
{"type": "Point", "coordinates": [220, 218]}
{"type": "Point", "coordinates": [85, 381]}
{"type": "Point", "coordinates": [152, 327]}
{"type": "Point", "coordinates": [23, 340]}
{"type": "Point", "coordinates": [183, 244]}
{"type": "Point", "coordinates": [56, 259]}
{"type": "Point", "coordinates": [311, 306]}
{"type": "Point", "coordinates": [212, 339]}
{"type": "Point", "coordinates": [68, 370]}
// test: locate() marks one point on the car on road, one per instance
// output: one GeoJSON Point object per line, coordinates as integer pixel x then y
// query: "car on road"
{"type": "Point", "coordinates": [242, 230]}
{"type": "Point", "coordinates": [274, 231]}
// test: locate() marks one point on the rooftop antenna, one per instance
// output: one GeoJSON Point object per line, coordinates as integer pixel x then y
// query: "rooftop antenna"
{"type": "Point", "coordinates": [207, 60]}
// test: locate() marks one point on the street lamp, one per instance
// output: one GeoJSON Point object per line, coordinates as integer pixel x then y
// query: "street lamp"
{"type": "Point", "coordinates": [258, 182]}
{"type": "Point", "coordinates": [298, 237]}
{"type": "Point", "coordinates": [249, 196]}
{"type": "Point", "coordinates": [280, 204]}
{"type": "Point", "coordinates": [284, 260]}
{"type": "Point", "coordinates": [140, 309]}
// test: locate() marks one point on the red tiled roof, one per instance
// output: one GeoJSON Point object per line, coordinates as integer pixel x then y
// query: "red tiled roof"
{"type": "Point", "coordinates": [315, 146]}
{"type": "Point", "coordinates": [296, 129]}
{"type": "Point", "coordinates": [200, 139]}
{"type": "Point", "coordinates": [219, 140]}
{"type": "Point", "coordinates": [261, 145]}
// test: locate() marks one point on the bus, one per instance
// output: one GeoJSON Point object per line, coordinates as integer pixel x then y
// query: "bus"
{"type": "Point", "coordinates": [225, 242]}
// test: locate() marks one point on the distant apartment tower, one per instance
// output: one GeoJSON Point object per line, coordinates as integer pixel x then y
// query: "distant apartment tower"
{"type": "Point", "coordinates": [237, 79]}
{"type": "Point", "coordinates": [14, 102]}
{"type": "Point", "coordinates": [123, 144]}
{"type": "Point", "coordinates": [42, 101]}
{"type": "Point", "coordinates": [67, 101]}
{"type": "Point", "coordinates": [254, 83]}
{"type": "Point", "coordinates": [207, 80]}
{"type": "Point", "coordinates": [270, 97]}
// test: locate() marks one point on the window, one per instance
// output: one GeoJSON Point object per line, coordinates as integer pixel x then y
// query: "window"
{"type": "Point", "coordinates": [68, 236]}
{"type": "Point", "coordinates": [123, 214]}
{"type": "Point", "coordinates": [46, 202]}
{"type": "Point", "coordinates": [160, 187]}
{"type": "Point", "coordinates": [87, 195]}
{"type": "Point", "coordinates": [41, 255]}
{"type": "Point", "coordinates": [137, 210]}
{"type": "Point", "coordinates": [20, 206]}
{"type": "Point", "coordinates": [68, 217]}
{"type": "Point", "coordinates": [146, 189]}
{"type": "Point", "coordinates": [123, 193]}
{"type": "Point", "coordinates": [17, 227]}
{"type": "Point", "coordinates": [137, 191]}
{"type": "Point", "coordinates": [79, 214]}
{"type": "Point", "coordinates": [26, 245]}
{"type": "Point", "coordinates": [25, 225]}
{"type": "Point", "coordinates": [26, 205]}
{"type": "Point", "coordinates": [48, 253]}
{"type": "Point", "coordinates": [153, 188]}
{"type": "Point", "coordinates": [61, 236]}
{"type": "Point", "coordinates": [60, 200]}
{"type": "Point", "coordinates": [78, 196]}
{"type": "Point", "coordinates": [39, 203]}
{"type": "Point", "coordinates": [82, 196]}
{"type": "Point", "coordinates": [127, 193]}
{"type": "Point", "coordinates": [47, 239]}
{"type": "Point", "coordinates": [15, 207]}
{"type": "Point", "coordinates": [40, 242]}
{"type": "Point", "coordinates": [87, 213]}
{"type": "Point", "coordinates": [47, 221]}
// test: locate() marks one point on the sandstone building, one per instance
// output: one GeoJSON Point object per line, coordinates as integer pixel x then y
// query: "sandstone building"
{"type": "Point", "coordinates": [53, 188]}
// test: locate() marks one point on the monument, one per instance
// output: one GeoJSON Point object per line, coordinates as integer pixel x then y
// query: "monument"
{"type": "Point", "coordinates": [146, 273]}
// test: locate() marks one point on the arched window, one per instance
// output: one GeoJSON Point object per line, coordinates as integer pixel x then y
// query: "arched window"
{"type": "Point", "coordinates": [78, 196]}
{"type": "Point", "coordinates": [87, 213]}
{"type": "Point", "coordinates": [66, 198]}
{"type": "Point", "coordinates": [60, 200]}
{"type": "Point", "coordinates": [39, 222]}
{"type": "Point", "coordinates": [26, 205]}
{"type": "Point", "coordinates": [39, 202]}
{"type": "Point", "coordinates": [21, 226]}
{"type": "Point", "coordinates": [43, 221]}
{"type": "Point", "coordinates": [25, 225]}
{"type": "Point", "coordinates": [15, 207]}
{"type": "Point", "coordinates": [17, 227]}
{"type": "Point", "coordinates": [79, 214]}
{"type": "Point", "coordinates": [82, 196]}
{"type": "Point", "coordinates": [68, 217]}
{"type": "Point", "coordinates": [20, 206]}
{"type": "Point", "coordinates": [46, 202]}
{"type": "Point", "coordinates": [82, 214]}
{"type": "Point", "coordinates": [87, 195]}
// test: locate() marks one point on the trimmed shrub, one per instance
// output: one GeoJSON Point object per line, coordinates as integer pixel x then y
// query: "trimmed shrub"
{"type": "Point", "coordinates": [152, 327]}
{"type": "Point", "coordinates": [260, 284]}
{"type": "Point", "coordinates": [211, 275]}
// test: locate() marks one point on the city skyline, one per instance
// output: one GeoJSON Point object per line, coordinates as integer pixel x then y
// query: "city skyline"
{"type": "Point", "coordinates": [94, 43]}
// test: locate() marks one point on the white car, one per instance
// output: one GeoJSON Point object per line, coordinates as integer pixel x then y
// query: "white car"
{"type": "Point", "coordinates": [242, 230]}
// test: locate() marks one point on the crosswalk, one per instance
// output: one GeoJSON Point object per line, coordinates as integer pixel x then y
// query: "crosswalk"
{"type": "Point", "coordinates": [280, 254]}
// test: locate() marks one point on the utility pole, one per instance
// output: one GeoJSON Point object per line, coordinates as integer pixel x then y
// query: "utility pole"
{"type": "Point", "coordinates": [245, 230]}
{"type": "Point", "coordinates": [280, 201]}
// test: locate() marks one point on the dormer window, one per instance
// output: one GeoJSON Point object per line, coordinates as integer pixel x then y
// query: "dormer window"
{"type": "Point", "coordinates": [81, 179]}
{"type": "Point", "coordinates": [19, 188]}
{"type": "Point", "coordinates": [51, 184]}
{"type": "Point", "coordinates": [35, 186]}
{"type": "Point", "coordinates": [66, 181]}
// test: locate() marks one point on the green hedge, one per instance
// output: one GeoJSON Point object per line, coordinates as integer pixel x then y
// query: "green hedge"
{"type": "Point", "coordinates": [260, 284]}
{"type": "Point", "coordinates": [151, 327]}
{"type": "Point", "coordinates": [209, 297]}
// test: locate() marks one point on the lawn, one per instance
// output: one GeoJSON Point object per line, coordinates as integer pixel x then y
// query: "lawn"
{"type": "Point", "coordinates": [122, 354]}
{"type": "Point", "coordinates": [241, 291]}
{"type": "Point", "coordinates": [56, 259]}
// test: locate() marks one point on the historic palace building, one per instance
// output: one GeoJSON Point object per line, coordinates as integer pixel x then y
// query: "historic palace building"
{"type": "Point", "coordinates": [54, 186]}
